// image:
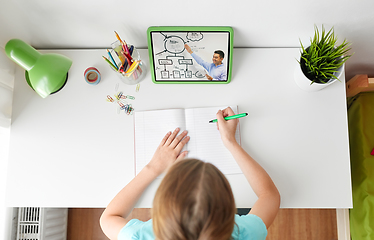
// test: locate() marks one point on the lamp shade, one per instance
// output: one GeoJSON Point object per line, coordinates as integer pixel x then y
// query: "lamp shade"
{"type": "Point", "coordinates": [45, 73]}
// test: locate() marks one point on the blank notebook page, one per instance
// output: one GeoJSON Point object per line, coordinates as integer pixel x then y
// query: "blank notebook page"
{"type": "Point", "coordinates": [205, 140]}
{"type": "Point", "coordinates": [150, 128]}
{"type": "Point", "coordinates": [205, 143]}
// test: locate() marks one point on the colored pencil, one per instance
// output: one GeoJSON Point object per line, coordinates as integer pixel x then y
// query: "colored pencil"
{"type": "Point", "coordinates": [110, 56]}
{"type": "Point", "coordinates": [119, 39]}
{"type": "Point", "coordinates": [111, 64]}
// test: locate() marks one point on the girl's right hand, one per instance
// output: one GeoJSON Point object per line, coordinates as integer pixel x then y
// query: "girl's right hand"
{"type": "Point", "coordinates": [227, 128]}
{"type": "Point", "coordinates": [169, 151]}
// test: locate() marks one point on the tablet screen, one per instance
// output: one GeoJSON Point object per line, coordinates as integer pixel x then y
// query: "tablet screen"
{"type": "Point", "coordinates": [190, 54]}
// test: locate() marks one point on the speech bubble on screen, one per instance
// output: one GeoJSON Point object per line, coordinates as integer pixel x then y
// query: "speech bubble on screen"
{"type": "Point", "coordinates": [194, 36]}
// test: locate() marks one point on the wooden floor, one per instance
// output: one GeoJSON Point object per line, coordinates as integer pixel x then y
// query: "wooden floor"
{"type": "Point", "coordinates": [305, 224]}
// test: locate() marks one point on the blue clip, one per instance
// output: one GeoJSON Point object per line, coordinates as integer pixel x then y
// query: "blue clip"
{"type": "Point", "coordinates": [124, 107]}
{"type": "Point", "coordinates": [120, 95]}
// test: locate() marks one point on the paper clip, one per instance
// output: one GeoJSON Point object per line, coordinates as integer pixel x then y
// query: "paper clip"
{"type": "Point", "coordinates": [130, 97]}
{"type": "Point", "coordinates": [109, 99]}
{"type": "Point", "coordinates": [120, 104]}
{"type": "Point", "coordinates": [124, 107]}
{"type": "Point", "coordinates": [117, 96]}
{"type": "Point", "coordinates": [120, 95]}
{"type": "Point", "coordinates": [130, 109]}
{"type": "Point", "coordinates": [137, 87]}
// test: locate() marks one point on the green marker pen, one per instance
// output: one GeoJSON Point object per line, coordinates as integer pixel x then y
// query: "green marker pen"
{"type": "Point", "coordinates": [231, 117]}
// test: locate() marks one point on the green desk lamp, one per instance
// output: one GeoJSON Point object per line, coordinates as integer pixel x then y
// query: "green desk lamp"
{"type": "Point", "coordinates": [45, 73]}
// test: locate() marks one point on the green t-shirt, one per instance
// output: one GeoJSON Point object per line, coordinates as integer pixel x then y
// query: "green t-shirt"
{"type": "Point", "coordinates": [249, 227]}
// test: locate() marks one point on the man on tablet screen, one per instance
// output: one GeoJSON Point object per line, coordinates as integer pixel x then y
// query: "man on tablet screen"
{"type": "Point", "coordinates": [216, 70]}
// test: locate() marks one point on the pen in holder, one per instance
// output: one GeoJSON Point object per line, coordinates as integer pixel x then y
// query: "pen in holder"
{"type": "Point", "coordinates": [131, 69]}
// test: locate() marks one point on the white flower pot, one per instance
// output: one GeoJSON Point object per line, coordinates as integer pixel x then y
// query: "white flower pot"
{"type": "Point", "coordinates": [305, 83]}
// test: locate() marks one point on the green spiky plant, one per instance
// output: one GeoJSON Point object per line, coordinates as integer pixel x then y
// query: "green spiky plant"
{"type": "Point", "coordinates": [323, 58]}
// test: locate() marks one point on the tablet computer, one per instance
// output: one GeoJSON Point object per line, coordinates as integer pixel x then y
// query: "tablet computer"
{"type": "Point", "coordinates": [190, 54]}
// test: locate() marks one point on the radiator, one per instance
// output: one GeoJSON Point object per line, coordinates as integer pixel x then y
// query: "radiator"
{"type": "Point", "coordinates": [42, 223]}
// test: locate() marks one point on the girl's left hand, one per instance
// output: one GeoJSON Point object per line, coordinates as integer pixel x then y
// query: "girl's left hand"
{"type": "Point", "coordinates": [169, 151]}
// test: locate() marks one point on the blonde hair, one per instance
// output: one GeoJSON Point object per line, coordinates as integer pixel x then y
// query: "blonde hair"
{"type": "Point", "coordinates": [193, 201]}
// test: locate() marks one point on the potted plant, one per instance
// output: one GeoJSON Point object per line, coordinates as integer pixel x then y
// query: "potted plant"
{"type": "Point", "coordinates": [322, 63]}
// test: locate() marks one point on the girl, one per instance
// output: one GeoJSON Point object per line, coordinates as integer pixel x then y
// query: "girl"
{"type": "Point", "coordinates": [194, 199]}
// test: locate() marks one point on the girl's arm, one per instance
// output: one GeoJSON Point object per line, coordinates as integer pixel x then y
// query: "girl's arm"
{"type": "Point", "coordinates": [267, 205]}
{"type": "Point", "coordinates": [113, 218]}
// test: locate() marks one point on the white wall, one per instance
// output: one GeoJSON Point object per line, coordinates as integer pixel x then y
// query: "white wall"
{"type": "Point", "coordinates": [5, 213]}
{"type": "Point", "coordinates": [7, 69]}
{"type": "Point", "coordinates": [267, 23]}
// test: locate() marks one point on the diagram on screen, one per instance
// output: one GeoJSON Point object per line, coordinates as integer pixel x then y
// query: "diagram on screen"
{"type": "Point", "coordinates": [172, 61]}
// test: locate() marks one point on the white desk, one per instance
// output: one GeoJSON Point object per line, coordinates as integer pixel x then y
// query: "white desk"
{"type": "Point", "coordinates": [72, 149]}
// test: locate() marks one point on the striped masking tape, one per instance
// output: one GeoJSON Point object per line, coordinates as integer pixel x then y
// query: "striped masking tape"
{"type": "Point", "coordinates": [92, 76]}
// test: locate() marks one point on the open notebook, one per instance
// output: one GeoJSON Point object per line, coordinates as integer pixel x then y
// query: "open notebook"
{"type": "Point", "coordinates": [205, 142]}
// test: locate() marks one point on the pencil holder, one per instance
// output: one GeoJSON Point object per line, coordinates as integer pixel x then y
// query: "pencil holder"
{"type": "Point", "coordinates": [131, 69]}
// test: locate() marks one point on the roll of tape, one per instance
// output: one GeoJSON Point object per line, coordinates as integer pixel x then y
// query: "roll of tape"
{"type": "Point", "coordinates": [92, 76]}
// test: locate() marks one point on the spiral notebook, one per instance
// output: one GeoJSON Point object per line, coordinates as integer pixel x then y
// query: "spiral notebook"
{"type": "Point", "coordinates": [205, 140]}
